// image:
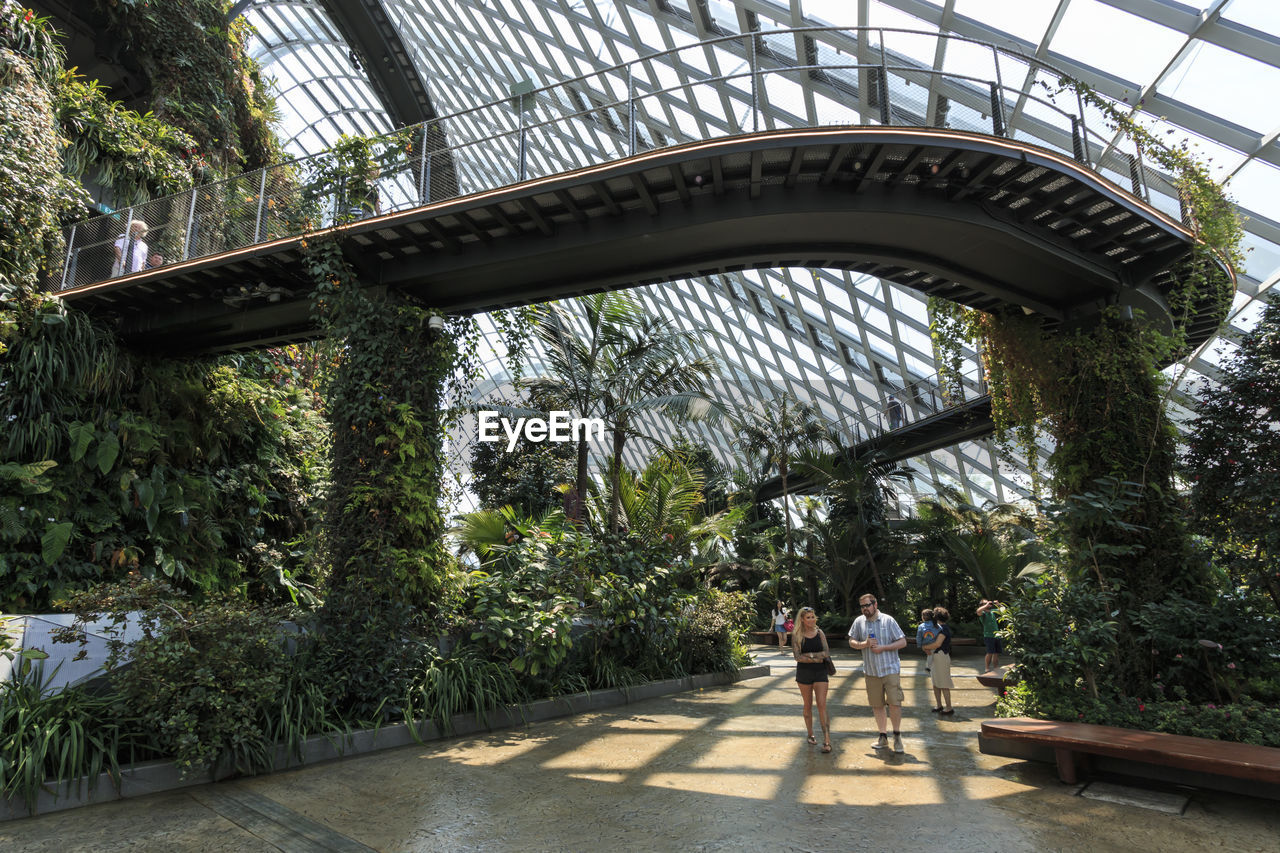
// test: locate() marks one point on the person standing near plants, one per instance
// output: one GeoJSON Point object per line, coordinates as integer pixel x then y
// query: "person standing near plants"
{"type": "Point", "coordinates": [926, 633]}
{"type": "Point", "coordinates": [780, 624]}
{"type": "Point", "coordinates": [940, 648]}
{"type": "Point", "coordinates": [810, 649]}
{"type": "Point", "coordinates": [990, 625]}
{"type": "Point", "coordinates": [879, 637]}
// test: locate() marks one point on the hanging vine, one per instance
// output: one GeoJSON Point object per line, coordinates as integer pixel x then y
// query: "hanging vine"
{"type": "Point", "coordinates": [1099, 393]}
{"type": "Point", "coordinates": [1023, 363]}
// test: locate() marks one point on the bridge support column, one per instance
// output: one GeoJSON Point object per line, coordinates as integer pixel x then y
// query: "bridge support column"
{"type": "Point", "coordinates": [1099, 392]}
{"type": "Point", "coordinates": [384, 520]}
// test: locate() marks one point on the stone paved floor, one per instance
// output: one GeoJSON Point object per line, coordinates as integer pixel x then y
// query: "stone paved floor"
{"type": "Point", "coordinates": [723, 768]}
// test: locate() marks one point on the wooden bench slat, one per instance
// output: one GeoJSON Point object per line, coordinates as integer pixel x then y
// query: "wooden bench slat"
{"type": "Point", "coordinates": [1241, 760]}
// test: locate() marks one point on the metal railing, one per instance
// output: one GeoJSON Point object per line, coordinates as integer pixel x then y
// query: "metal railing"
{"type": "Point", "coordinates": [916, 400]}
{"type": "Point", "coordinates": [797, 78]}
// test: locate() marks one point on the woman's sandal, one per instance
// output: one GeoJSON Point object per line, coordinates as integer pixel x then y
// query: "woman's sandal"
{"type": "Point", "coordinates": [949, 711]}
{"type": "Point", "coordinates": [937, 710]}
{"type": "Point", "coordinates": [826, 747]}
{"type": "Point", "coordinates": [812, 740]}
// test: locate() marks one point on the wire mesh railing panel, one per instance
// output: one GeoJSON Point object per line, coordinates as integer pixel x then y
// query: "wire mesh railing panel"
{"type": "Point", "coordinates": [481, 165]}
{"type": "Point", "coordinates": [908, 99]}
{"type": "Point", "coordinates": [959, 114]}
{"type": "Point", "coordinates": [783, 99]}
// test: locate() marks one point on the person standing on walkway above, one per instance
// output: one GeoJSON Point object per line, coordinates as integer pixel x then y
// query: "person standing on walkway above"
{"type": "Point", "coordinates": [879, 637]}
{"type": "Point", "coordinates": [810, 649]}
{"type": "Point", "coordinates": [990, 624]}
{"type": "Point", "coordinates": [940, 648]}
{"type": "Point", "coordinates": [893, 408]}
{"type": "Point", "coordinates": [130, 250]}
{"type": "Point", "coordinates": [779, 617]}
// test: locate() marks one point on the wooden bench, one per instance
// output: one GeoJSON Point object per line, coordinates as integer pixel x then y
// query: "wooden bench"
{"type": "Point", "coordinates": [768, 638]}
{"type": "Point", "coordinates": [998, 680]}
{"type": "Point", "coordinates": [1204, 761]}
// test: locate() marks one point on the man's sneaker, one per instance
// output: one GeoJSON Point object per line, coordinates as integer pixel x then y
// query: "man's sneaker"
{"type": "Point", "coordinates": [897, 744]}
{"type": "Point", "coordinates": [882, 742]}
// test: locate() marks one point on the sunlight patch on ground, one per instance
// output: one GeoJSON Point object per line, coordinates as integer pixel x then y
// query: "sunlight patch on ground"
{"type": "Point", "coordinates": [495, 751]}
{"type": "Point", "coordinates": [616, 751]}
{"type": "Point", "coordinates": [845, 790]}
{"type": "Point", "coordinates": [755, 753]}
{"type": "Point", "coordinates": [753, 785]}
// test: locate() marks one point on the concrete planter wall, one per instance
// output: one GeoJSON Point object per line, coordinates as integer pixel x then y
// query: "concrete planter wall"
{"type": "Point", "coordinates": [159, 776]}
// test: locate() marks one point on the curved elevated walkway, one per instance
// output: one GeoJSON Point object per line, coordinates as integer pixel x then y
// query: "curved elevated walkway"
{"type": "Point", "coordinates": [981, 220]}
{"type": "Point", "coordinates": [967, 421]}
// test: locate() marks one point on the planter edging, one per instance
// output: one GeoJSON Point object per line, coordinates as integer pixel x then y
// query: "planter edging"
{"type": "Point", "coordinates": [156, 776]}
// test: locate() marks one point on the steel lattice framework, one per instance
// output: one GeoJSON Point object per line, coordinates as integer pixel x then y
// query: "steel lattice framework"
{"type": "Point", "coordinates": [1202, 72]}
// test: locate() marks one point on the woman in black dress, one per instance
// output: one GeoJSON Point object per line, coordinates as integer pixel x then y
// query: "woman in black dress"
{"type": "Point", "coordinates": [809, 646]}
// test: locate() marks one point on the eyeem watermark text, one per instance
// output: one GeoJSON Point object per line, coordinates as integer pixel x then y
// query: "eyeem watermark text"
{"type": "Point", "coordinates": [559, 427]}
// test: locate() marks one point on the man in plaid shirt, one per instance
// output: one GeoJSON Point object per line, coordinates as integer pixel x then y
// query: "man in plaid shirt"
{"type": "Point", "coordinates": [880, 637]}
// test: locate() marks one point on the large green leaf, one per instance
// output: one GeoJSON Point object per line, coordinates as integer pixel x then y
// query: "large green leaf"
{"type": "Point", "coordinates": [108, 452]}
{"type": "Point", "coordinates": [81, 435]}
{"type": "Point", "coordinates": [54, 541]}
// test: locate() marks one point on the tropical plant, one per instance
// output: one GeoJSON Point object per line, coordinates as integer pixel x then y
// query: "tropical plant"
{"type": "Point", "coordinates": [465, 682]}
{"type": "Point", "coordinates": [203, 472]}
{"type": "Point", "coordinates": [989, 542]}
{"type": "Point", "coordinates": [665, 502]}
{"type": "Point", "coordinates": [200, 679]}
{"type": "Point", "coordinates": [627, 363]}
{"type": "Point", "coordinates": [860, 492]}
{"type": "Point", "coordinates": [711, 637]}
{"type": "Point", "coordinates": [1233, 458]}
{"type": "Point", "coordinates": [526, 476]}
{"type": "Point", "coordinates": [51, 736]}
{"type": "Point", "coordinates": [775, 434]}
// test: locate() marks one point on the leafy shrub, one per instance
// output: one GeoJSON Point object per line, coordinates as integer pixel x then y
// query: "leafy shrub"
{"type": "Point", "coordinates": [361, 651]}
{"type": "Point", "coordinates": [1214, 652]}
{"type": "Point", "coordinates": [1062, 634]}
{"type": "Point", "coordinates": [53, 736]}
{"type": "Point", "coordinates": [462, 683]}
{"type": "Point", "coordinates": [710, 638]}
{"type": "Point", "coordinates": [201, 679]}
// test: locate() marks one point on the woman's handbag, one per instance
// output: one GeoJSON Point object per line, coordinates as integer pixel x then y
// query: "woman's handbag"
{"type": "Point", "coordinates": [831, 667]}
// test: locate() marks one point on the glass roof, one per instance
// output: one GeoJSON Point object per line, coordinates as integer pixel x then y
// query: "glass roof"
{"type": "Point", "coordinates": [1201, 71]}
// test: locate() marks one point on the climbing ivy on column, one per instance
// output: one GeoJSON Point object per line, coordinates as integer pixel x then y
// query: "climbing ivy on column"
{"type": "Point", "coordinates": [384, 525]}
{"type": "Point", "coordinates": [1098, 392]}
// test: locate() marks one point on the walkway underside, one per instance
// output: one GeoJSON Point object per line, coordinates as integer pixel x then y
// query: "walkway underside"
{"type": "Point", "coordinates": [968, 421]}
{"type": "Point", "coordinates": [984, 221]}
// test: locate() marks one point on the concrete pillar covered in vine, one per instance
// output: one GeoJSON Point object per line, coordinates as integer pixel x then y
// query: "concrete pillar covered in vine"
{"type": "Point", "coordinates": [1098, 392]}
{"type": "Point", "coordinates": [384, 524]}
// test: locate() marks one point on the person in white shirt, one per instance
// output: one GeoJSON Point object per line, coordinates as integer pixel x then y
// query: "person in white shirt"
{"type": "Point", "coordinates": [130, 250]}
{"type": "Point", "coordinates": [879, 637]}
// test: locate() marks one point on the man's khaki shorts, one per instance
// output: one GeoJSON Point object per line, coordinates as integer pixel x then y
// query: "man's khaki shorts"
{"type": "Point", "coordinates": [884, 690]}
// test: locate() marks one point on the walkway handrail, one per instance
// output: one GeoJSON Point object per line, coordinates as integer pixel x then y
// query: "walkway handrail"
{"type": "Point", "coordinates": [920, 399]}
{"type": "Point", "coordinates": [847, 77]}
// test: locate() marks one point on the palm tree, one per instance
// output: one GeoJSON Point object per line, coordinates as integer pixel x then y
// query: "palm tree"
{"type": "Point", "coordinates": [627, 363]}
{"type": "Point", "coordinates": [776, 433]}
{"type": "Point", "coordinates": [860, 491]}
{"type": "Point", "coordinates": [666, 501]}
{"type": "Point", "coordinates": [988, 542]}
